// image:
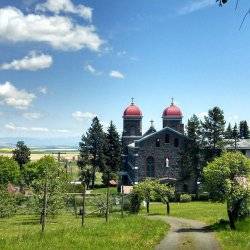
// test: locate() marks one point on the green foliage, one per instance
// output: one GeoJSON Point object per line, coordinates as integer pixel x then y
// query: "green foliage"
{"type": "Point", "coordinates": [9, 170]}
{"type": "Point", "coordinates": [91, 149]}
{"type": "Point", "coordinates": [244, 130]}
{"type": "Point", "coordinates": [228, 132]}
{"type": "Point", "coordinates": [7, 204]}
{"type": "Point", "coordinates": [51, 173]}
{"type": "Point", "coordinates": [21, 154]}
{"type": "Point", "coordinates": [30, 173]}
{"type": "Point", "coordinates": [226, 180]}
{"type": "Point", "coordinates": [213, 128]}
{"type": "Point", "coordinates": [112, 153]}
{"type": "Point", "coordinates": [135, 199]}
{"type": "Point", "coordinates": [185, 198]}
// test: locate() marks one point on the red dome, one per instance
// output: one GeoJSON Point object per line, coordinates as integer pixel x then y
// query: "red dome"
{"type": "Point", "coordinates": [172, 111]}
{"type": "Point", "coordinates": [132, 110]}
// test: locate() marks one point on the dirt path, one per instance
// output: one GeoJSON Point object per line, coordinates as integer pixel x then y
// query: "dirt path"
{"type": "Point", "coordinates": [187, 234]}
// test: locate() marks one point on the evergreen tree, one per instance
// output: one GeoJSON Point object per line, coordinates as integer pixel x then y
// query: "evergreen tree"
{"type": "Point", "coordinates": [112, 153]}
{"type": "Point", "coordinates": [92, 148]}
{"type": "Point", "coordinates": [244, 130]}
{"type": "Point", "coordinates": [228, 132]}
{"type": "Point", "coordinates": [213, 129]}
{"type": "Point", "coordinates": [191, 157]}
{"type": "Point", "coordinates": [235, 135]}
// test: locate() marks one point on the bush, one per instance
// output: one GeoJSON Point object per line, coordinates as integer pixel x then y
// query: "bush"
{"type": "Point", "coordinates": [185, 198]}
{"type": "Point", "coordinates": [7, 204]}
{"type": "Point", "coordinates": [203, 197]}
{"type": "Point", "coordinates": [135, 199]}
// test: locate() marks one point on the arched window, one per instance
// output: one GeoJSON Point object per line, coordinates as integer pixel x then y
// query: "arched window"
{"type": "Point", "coordinates": [167, 138]}
{"type": "Point", "coordinates": [150, 167]}
{"type": "Point", "coordinates": [176, 142]}
{"type": "Point", "coordinates": [157, 143]}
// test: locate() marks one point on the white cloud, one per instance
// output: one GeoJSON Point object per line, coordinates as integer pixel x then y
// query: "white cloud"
{"type": "Point", "coordinates": [90, 69]}
{"type": "Point", "coordinates": [195, 5]}
{"type": "Point", "coordinates": [13, 127]}
{"type": "Point", "coordinates": [31, 62]}
{"type": "Point", "coordinates": [80, 116]}
{"type": "Point", "coordinates": [116, 74]}
{"type": "Point", "coordinates": [66, 6]}
{"type": "Point", "coordinates": [58, 31]}
{"type": "Point", "coordinates": [11, 96]}
{"type": "Point", "coordinates": [43, 90]}
{"type": "Point", "coordinates": [32, 115]}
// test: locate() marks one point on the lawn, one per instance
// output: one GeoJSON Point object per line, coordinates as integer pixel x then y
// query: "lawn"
{"type": "Point", "coordinates": [210, 213]}
{"type": "Point", "coordinates": [65, 232]}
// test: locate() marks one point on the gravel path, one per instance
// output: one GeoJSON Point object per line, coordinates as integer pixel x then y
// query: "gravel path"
{"type": "Point", "coordinates": [187, 234]}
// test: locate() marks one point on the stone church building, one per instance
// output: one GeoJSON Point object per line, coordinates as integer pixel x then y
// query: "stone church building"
{"type": "Point", "coordinates": [154, 154]}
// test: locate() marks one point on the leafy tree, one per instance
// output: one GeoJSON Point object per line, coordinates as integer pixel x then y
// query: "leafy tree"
{"type": "Point", "coordinates": [49, 187]}
{"type": "Point", "coordinates": [146, 189]}
{"type": "Point", "coordinates": [92, 146]}
{"type": "Point", "coordinates": [165, 192]}
{"type": "Point", "coordinates": [112, 154]}
{"type": "Point", "coordinates": [226, 180]}
{"type": "Point", "coordinates": [21, 154]}
{"type": "Point", "coordinates": [30, 173]}
{"type": "Point", "coordinates": [9, 171]}
{"type": "Point", "coordinates": [228, 132]}
{"type": "Point", "coordinates": [213, 132]}
{"type": "Point", "coordinates": [244, 130]}
{"type": "Point", "coordinates": [7, 204]}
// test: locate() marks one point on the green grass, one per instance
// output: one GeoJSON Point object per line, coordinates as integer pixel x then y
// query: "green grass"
{"type": "Point", "coordinates": [112, 190]}
{"type": "Point", "coordinates": [131, 232]}
{"type": "Point", "coordinates": [210, 213]}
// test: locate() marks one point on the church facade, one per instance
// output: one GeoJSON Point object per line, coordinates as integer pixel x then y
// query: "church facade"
{"type": "Point", "coordinates": [154, 154]}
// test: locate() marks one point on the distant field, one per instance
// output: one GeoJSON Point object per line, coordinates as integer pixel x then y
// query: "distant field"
{"type": "Point", "coordinates": [37, 154]}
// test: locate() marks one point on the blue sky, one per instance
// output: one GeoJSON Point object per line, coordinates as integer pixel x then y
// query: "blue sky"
{"type": "Point", "coordinates": [62, 62]}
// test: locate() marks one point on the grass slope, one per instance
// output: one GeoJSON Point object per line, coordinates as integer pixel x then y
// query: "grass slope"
{"type": "Point", "coordinates": [211, 213]}
{"type": "Point", "coordinates": [131, 232]}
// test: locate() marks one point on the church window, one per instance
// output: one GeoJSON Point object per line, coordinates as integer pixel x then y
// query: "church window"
{"type": "Point", "coordinates": [157, 144]}
{"type": "Point", "coordinates": [150, 167]}
{"type": "Point", "coordinates": [167, 138]}
{"type": "Point", "coordinates": [176, 142]}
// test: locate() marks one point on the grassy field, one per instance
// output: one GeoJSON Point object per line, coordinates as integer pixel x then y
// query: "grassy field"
{"type": "Point", "coordinates": [131, 232]}
{"type": "Point", "coordinates": [211, 213]}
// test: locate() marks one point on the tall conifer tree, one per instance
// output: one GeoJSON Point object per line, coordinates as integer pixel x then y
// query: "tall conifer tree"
{"type": "Point", "coordinates": [112, 153]}
{"type": "Point", "coordinates": [244, 130]}
{"type": "Point", "coordinates": [92, 148]}
{"type": "Point", "coordinates": [228, 132]}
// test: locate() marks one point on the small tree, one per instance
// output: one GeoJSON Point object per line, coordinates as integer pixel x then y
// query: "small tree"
{"type": "Point", "coordinates": [7, 204]}
{"type": "Point", "coordinates": [9, 171]}
{"type": "Point", "coordinates": [165, 192]}
{"type": "Point", "coordinates": [147, 190]}
{"type": "Point", "coordinates": [226, 180]}
{"type": "Point", "coordinates": [21, 154]}
{"type": "Point", "coordinates": [49, 188]}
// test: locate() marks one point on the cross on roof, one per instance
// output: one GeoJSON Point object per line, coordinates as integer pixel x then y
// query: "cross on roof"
{"type": "Point", "coordinates": [152, 122]}
{"type": "Point", "coordinates": [132, 100]}
{"type": "Point", "coordinates": [172, 101]}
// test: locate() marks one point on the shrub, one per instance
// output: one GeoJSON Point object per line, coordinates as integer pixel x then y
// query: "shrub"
{"type": "Point", "coordinates": [203, 196]}
{"type": "Point", "coordinates": [185, 198]}
{"type": "Point", "coordinates": [135, 199]}
{"type": "Point", "coordinates": [7, 204]}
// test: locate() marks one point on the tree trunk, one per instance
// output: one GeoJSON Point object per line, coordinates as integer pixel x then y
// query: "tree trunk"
{"type": "Point", "coordinates": [93, 177]}
{"type": "Point", "coordinates": [147, 207]}
{"type": "Point", "coordinates": [168, 208]}
{"type": "Point", "coordinates": [107, 202]}
{"type": "Point", "coordinates": [44, 212]}
{"type": "Point", "coordinates": [122, 200]}
{"type": "Point", "coordinates": [231, 217]}
{"type": "Point", "coordinates": [83, 203]}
